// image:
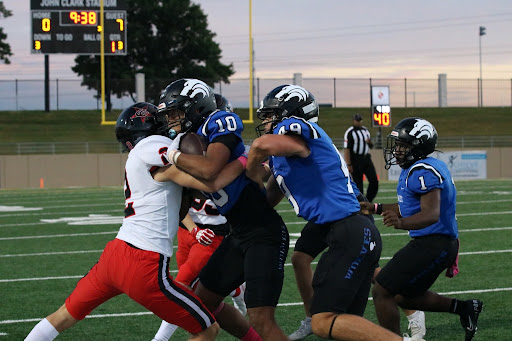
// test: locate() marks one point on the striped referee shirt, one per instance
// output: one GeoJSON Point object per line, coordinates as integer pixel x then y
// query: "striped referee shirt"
{"type": "Point", "coordinates": [355, 140]}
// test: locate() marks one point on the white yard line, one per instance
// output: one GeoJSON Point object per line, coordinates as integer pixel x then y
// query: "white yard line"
{"type": "Point", "coordinates": [448, 293]}
{"type": "Point", "coordinates": [50, 253]}
{"type": "Point", "coordinates": [25, 214]}
{"type": "Point", "coordinates": [458, 216]}
{"type": "Point", "coordinates": [114, 232]}
{"type": "Point", "coordinates": [116, 220]}
{"type": "Point", "coordinates": [175, 271]}
{"type": "Point", "coordinates": [59, 235]}
{"type": "Point", "coordinates": [279, 305]}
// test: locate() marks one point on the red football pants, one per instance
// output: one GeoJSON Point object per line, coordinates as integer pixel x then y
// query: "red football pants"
{"type": "Point", "coordinates": [192, 256]}
{"type": "Point", "coordinates": [144, 277]}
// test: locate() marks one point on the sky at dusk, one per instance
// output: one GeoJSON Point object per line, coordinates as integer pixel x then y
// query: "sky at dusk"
{"type": "Point", "coordinates": [327, 38]}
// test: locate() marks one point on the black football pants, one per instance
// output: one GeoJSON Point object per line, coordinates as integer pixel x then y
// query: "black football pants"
{"type": "Point", "coordinates": [364, 165]}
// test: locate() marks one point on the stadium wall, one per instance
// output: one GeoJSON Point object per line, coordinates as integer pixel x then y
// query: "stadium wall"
{"type": "Point", "coordinates": [99, 170]}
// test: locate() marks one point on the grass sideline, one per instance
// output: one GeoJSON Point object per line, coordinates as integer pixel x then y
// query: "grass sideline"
{"type": "Point", "coordinates": [84, 126]}
{"type": "Point", "coordinates": [56, 235]}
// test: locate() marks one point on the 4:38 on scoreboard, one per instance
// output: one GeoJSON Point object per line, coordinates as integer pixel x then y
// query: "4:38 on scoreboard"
{"type": "Point", "coordinates": [78, 31]}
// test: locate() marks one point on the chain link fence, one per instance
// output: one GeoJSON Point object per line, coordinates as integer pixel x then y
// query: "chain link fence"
{"type": "Point", "coordinates": [27, 148]}
{"type": "Point", "coordinates": [65, 94]}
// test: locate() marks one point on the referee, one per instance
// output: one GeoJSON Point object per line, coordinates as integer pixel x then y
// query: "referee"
{"type": "Point", "coordinates": [357, 155]}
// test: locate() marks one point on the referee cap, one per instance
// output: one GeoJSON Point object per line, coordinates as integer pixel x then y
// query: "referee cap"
{"type": "Point", "coordinates": [357, 117]}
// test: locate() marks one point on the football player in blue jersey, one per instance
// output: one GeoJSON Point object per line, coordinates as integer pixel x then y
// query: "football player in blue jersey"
{"type": "Point", "coordinates": [307, 247]}
{"type": "Point", "coordinates": [255, 250]}
{"type": "Point", "coordinates": [426, 208]}
{"type": "Point", "coordinates": [308, 169]}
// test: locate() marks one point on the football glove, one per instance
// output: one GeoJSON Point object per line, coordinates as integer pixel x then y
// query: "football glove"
{"type": "Point", "coordinates": [203, 236]}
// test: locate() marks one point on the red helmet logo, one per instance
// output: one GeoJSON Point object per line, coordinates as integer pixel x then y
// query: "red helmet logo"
{"type": "Point", "coordinates": [143, 113]}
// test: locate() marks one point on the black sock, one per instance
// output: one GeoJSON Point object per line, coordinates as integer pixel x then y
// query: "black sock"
{"type": "Point", "coordinates": [457, 307]}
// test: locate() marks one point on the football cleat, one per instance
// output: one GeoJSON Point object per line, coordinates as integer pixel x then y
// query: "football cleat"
{"type": "Point", "coordinates": [303, 331]}
{"type": "Point", "coordinates": [469, 318]}
{"type": "Point", "coordinates": [417, 325]}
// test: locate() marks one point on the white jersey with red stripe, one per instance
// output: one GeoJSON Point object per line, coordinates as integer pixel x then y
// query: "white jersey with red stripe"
{"type": "Point", "coordinates": [204, 211]}
{"type": "Point", "coordinates": [151, 207]}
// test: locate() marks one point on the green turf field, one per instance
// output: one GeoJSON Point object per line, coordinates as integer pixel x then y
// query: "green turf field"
{"type": "Point", "coordinates": [49, 238]}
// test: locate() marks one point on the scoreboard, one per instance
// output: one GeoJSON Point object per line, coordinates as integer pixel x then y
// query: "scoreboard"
{"type": "Point", "coordinates": [381, 116]}
{"type": "Point", "coordinates": [381, 110]}
{"type": "Point", "coordinates": [74, 26]}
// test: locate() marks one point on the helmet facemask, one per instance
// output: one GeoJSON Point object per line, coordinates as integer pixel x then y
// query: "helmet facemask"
{"type": "Point", "coordinates": [404, 154]}
{"type": "Point", "coordinates": [398, 153]}
{"type": "Point", "coordinates": [172, 119]}
{"type": "Point", "coordinates": [193, 98]}
{"type": "Point", "coordinates": [270, 117]}
{"type": "Point", "coordinates": [412, 139]}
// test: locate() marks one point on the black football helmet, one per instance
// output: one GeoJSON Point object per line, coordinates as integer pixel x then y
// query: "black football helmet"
{"type": "Point", "coordinates": [136, 122]}
{"type": "Point", "coordinates": [285, 101]}
{"type": "Point", "coordinates": [223, 104]}
{"type": "Point", "coordinates": [188, 102]}
{"type": "Point", "coordinates": [412, 139]}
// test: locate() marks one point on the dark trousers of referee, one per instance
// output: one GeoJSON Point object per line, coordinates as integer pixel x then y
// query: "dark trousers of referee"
{"type": "Point", "coordinates": [362, 164]}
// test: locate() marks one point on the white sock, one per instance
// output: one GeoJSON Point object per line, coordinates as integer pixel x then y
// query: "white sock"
{"type": "Point", "coordinates": [165, 332]}
{"type": "Point", "coordinates": [43, 331]}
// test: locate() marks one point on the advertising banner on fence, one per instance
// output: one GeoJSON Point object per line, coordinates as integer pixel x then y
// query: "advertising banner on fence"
{"type": "Point", "coordinates": [464, 165]}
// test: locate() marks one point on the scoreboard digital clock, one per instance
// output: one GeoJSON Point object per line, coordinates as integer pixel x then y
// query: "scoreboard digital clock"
{"type": "Point", "coordinates": [63, 27]}
{"type": "Point", "coordinates": [381, 116]}
{"type": "Point", "coordinates": [381, 110]}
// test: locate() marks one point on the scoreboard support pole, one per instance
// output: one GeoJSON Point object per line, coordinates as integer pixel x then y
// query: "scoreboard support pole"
{"type": "Point", "coordinates": [380, 143]}
{"type": "Point", "coordinates": [46, 83]}
{"type": "Point", "coordinates": [102, 73]}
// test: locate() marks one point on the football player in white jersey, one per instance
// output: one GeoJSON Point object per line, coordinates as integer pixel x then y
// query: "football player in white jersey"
{"type": "Point", "coordinates": [136, 262]}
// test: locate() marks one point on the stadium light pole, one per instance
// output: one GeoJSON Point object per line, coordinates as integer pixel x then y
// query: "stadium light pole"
{"type": "Point", "coordinates": [481, 33]}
